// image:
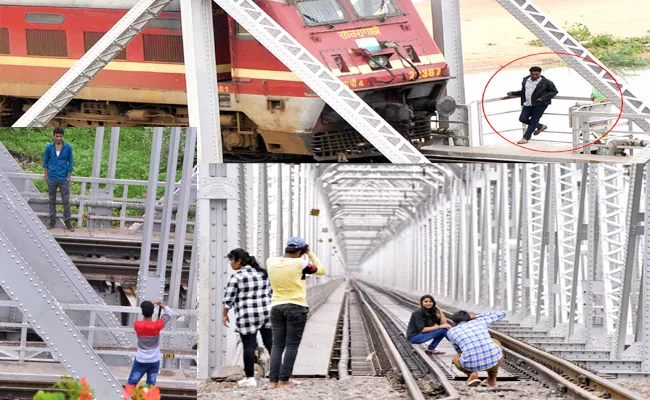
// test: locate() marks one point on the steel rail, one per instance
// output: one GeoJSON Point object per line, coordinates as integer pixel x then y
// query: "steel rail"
{"type": "Point", "coordinates": [344, 362]}
{"type": "Point", "coordinates": [568, 377]}
{"type": "Point", "coordinates": [409, 380]}
{"type": "Point", "coordinates": [450, 390]}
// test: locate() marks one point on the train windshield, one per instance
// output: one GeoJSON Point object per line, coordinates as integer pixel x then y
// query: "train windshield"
{"type": "Point", "coordinates": [321, 12]}
{"type": "Point", "coordinates": [371, 9]}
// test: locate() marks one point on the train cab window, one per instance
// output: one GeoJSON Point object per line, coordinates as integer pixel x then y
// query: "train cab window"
{"type": "Point", "coordinates": [375, 9]}
{"type": "Point", "coordinates": [4, 41]}
{"type": "Point", "coordinates": [321, 12]}
{"type": "Point", "coordinates": [43, 18]}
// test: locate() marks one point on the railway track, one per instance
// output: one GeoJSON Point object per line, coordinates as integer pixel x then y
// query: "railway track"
{"type": "Point", "coordinates": [26, 390]}
{"type": "Point", "coordinates": [113, 247]}
{"type": "Point", "coordinates": [527, 362]}
{"type": "Point", "coordinates": [116, 260]}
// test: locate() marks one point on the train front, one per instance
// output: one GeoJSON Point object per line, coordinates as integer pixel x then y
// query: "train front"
{"type": "Point", "coordinates": [382, 50]}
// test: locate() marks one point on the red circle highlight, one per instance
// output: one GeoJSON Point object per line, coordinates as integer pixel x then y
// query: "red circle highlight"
{"type": "Point", "coordinates": [552, 151]}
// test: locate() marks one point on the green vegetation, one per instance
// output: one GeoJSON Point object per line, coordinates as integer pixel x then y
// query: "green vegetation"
{"type": "Point", "coordinates": [618, 54]}
{"type": "Point", "coordinates": [28, 144]}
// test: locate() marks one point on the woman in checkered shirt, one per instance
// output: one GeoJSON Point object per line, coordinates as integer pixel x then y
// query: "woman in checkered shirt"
{"type": "Point", "coordinates": [249, 294]}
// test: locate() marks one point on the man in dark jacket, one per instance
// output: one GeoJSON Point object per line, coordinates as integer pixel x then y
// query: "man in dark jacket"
{"type": "Point", "coordinates": [536, 94]}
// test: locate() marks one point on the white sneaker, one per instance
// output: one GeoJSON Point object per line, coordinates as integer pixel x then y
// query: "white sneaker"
{"type": "Point", "coordinates": [247, 383]}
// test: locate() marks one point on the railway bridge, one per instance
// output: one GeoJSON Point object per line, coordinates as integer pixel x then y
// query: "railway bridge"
{"type": "Point", "coordinates": [68, 298]}
{"type": "Point", "coordinates": [562, 248]}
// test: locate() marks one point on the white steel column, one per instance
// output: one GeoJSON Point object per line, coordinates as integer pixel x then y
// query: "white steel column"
{"type": "Point", "coordinates": [645, 294]}
{"type": "Point", "coordinates": [447, 35]}
{"type": "Point", "coordinates": [201, 71]}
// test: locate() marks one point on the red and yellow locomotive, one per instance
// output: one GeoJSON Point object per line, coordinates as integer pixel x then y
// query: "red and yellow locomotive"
{"type": "Point", "coordinates": [379, 48]}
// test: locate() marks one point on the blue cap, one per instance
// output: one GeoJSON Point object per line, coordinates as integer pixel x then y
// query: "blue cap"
{"type": "Point", "coordinates": [296, 242]}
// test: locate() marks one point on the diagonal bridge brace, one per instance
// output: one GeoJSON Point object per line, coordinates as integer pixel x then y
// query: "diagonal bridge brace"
{"type": "Point", "coordinates": [48, 260]}
{"type": "Point", "coordinates": [39, 305]}
{"type": "Point", "coordinates": [91, 63]}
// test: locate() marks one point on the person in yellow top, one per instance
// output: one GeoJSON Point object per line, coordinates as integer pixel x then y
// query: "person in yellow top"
{"type": "Point", "coordinates": [289, 306]}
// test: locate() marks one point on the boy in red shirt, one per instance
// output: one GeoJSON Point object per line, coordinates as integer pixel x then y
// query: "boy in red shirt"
{"type": "Point", "coordinates": [147, 359]}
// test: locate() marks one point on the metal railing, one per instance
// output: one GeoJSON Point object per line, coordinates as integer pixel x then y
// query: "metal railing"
{"type": "Point", "coordinates": [586, 120]}
{"type": "Point", "coordinates": [85, 201]}
{"type": "Point", "coordinates": [32, 351]}
{"type": "Point", "coordinates": [590, 122]}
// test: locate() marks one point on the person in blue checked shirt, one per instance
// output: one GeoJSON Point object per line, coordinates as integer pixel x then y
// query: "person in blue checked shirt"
{"type": "Point", "coordinates": [58, 166]}
{"type": "Point", "coordinates": [477, 351]}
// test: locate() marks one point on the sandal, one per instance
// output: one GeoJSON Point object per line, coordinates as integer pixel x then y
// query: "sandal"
{"type": "Point", "coordinates": [474, 383]}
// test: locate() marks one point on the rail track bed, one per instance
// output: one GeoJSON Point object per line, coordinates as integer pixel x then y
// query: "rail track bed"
{"type": "Point", "coordinates": [117, 260]}
{"type": "Point", "coordinates": [534, 374]}
{"type": "Point", "coordinates": [371, 358]}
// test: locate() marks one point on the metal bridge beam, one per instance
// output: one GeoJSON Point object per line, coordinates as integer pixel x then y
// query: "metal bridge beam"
{"type": "Point", "coordinates": [644, 304]}
{"type": "Point", "coordinates": [323, 82]}
{"type": "Point", "coordinates": [558, 40]}
{"type": "Point", "coordinates": [91, 63]}
{"type": "Point", "coordinates": [37, 301]}
{"type": "Point", "coordinates": [447, 35]}
{"type": "Point", "coordinates": [52, 265]}
{"type": "Point", "coordinates": [201, 71]}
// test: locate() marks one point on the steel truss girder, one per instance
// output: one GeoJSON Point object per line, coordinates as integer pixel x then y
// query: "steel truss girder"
{"type": "Point", "coordinates": [91, 63]}
{"type": "Point", "coordinates": [323, 82]}
{"type": "Point", "coordinates": [644, 303]}
{"type": "Point", "coordinates": [611, 258]}
{"type": "Point", "coordinates": [40, 307]}
{"type": "Point", "coordinates": [51, 264]}
{"type": "Point", "coordinates": [611, 223]}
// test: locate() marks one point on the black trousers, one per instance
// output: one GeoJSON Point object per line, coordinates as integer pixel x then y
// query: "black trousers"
{"type": "Point", "coordinates": [530, 115]}
{"type": "Point", "coordinates": [250, 346]}
{"type": "Point", "coordinates": [288, 322]}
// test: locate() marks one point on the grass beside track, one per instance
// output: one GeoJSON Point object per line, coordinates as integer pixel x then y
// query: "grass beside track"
{"type": "Point", "coordinates": [618, 54]}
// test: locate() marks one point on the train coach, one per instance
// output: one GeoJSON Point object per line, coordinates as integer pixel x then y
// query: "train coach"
{"type": "Point", "coordinates": [379, 48]}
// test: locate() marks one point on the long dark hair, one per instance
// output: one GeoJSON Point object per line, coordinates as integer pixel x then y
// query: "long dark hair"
{"type": "Point", "coordinates": [431, 315]}
{"type": "Point", "coordinates": [245, 259]}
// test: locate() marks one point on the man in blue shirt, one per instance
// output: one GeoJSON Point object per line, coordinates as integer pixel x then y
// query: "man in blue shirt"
{"type": "Point", "coordinates": [477, 351]}
{"type": "Point", "coordinates": [58, 166]}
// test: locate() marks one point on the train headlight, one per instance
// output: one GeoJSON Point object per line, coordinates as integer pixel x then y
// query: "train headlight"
{"type": "Point", "coordinates": [377, 62]}
{"type": "Point", "coordinates": [446, 105]}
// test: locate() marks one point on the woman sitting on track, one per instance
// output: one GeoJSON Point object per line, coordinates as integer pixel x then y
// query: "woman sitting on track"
{"type": "Point", "coordinates": [427, 323]}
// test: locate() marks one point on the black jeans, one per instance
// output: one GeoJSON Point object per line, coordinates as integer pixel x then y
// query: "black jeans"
{"type": "Point", "coordinates": [52, 186]}
{"type": "Point", "coordinates": [530, 115]}
{"type": "Point", "coordinates": [250, 345]}
{"type": "Point", "coordinates": [289, 322]}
